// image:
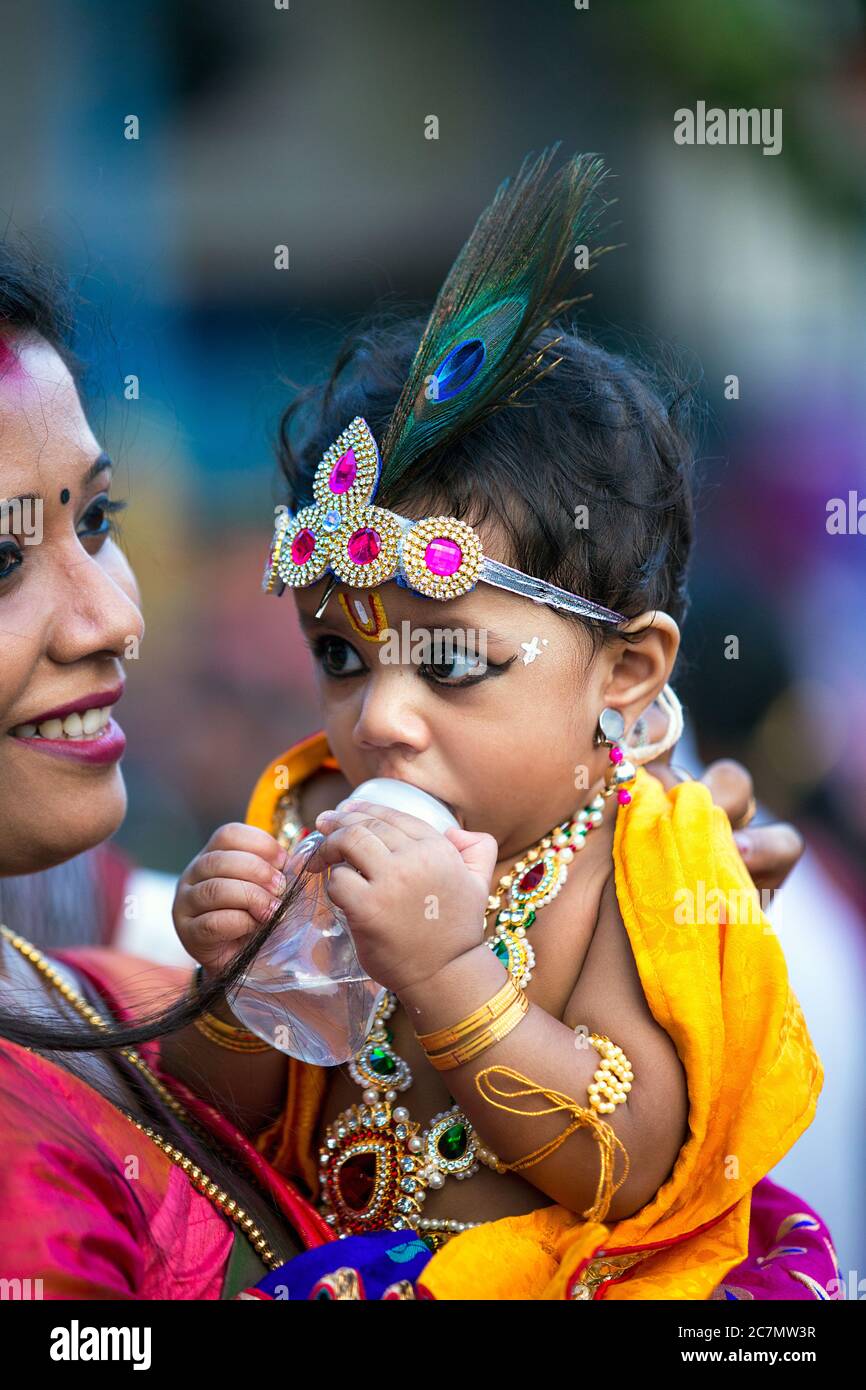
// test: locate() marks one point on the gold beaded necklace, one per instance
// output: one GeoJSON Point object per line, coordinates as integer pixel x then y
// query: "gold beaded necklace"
{"type": "Point", "coordinates": [199, 1179]}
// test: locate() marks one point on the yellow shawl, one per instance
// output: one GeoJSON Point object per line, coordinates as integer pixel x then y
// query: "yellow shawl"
{"type": "Point", "coordinates": [720, 991]}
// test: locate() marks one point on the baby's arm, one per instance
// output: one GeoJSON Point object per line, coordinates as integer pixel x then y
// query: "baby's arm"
{"type": "Point", "coordinates": [224, 895]}
{"type": "Point", "coordinates": [608, 999]}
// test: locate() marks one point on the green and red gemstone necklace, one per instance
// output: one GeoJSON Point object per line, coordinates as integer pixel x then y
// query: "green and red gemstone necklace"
{"type": "Point", "coordinates": [376, 1164]}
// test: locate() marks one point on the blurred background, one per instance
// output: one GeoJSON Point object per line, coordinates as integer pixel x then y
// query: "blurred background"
{"type": "Point", "coordinates": [304, 126]}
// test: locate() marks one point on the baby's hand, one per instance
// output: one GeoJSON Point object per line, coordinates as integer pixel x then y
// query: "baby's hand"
{"type": "Point", "coordinates": [227, 892]}
{"type": "Point", "coordinates": [414, 899]}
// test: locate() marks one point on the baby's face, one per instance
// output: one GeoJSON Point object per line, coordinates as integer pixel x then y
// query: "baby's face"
{"type": "Point", "coordinates": [499, 724]}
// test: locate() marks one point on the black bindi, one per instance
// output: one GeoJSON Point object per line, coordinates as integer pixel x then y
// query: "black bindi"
{"type": "Point", "coordinates": [64, 496]}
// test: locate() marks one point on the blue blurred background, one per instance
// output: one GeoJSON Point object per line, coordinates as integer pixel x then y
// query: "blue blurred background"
{"type": "Point", "coordinates": [262, 126]}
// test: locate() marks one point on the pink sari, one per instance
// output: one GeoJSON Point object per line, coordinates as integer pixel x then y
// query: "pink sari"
{"type": "Point", "coordinates": [92, 1208]}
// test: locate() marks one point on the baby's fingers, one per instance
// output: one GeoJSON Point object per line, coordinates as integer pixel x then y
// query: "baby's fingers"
{"type": "Point", "coordinates": [215, 938]}
{"type": "Point", "coordinates": [249, 839]}
{"type": "Point", "coordinates": [226, 895]}
{"type": "Point", "coordinates": [227, 863]}
{"type": "Point", "coordinates": [358, 845]}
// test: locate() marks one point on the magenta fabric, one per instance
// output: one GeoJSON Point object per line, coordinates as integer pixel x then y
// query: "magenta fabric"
{"type": "Point", "coordinates": [791, 1255]}
{"type": "Point", "coordinates": [89, 1207]}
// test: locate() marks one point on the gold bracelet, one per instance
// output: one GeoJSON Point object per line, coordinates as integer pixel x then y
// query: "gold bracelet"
{"type": "Point", "coordinates": [601, 1130]}
{"type": "Point", "coordinates": [227, 1036]}
{"type": "Point", "coordinates": [493, 1033]}
{"type": "Point", "coordinates": [487, 1013]}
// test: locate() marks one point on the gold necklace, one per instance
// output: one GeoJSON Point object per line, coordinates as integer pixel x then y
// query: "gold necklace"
{"type": "Point", "coordinates": [376, 1164]}
{"type": "Point", "coordinates": [199, 1179]}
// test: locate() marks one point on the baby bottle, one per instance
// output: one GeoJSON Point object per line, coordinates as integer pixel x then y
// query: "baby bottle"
{"type": "Point", "coordinates": [306, 992]}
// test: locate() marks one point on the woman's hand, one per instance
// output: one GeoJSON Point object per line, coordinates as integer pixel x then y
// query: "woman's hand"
{"type": "Point", "coordinates": [227, 892]}
{"type": "Point", "coordinates": [769, 852]}
{"type": "Point", "coordinates": [414, 898]}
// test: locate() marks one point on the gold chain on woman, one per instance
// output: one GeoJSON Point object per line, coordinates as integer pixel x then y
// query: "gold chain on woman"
{"type": "Point", "coordinates": [199, 1179]}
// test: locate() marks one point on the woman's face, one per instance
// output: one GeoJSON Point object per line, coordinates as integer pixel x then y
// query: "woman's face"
{"type": "Point", "coordinates": [68, 615]}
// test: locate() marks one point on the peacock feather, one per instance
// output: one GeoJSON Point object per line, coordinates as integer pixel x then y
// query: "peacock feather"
{"type": "Point", "coordinates": [478, 351]}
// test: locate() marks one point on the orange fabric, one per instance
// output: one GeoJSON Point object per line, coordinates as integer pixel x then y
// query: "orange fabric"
{"type": "Point", "coordinates": [287, 1142]}
{"type": "Point", "coordinates": [720, 991]}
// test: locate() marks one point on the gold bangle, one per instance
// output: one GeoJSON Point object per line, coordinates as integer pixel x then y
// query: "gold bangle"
{"type": "Point", "coordinates": [493, 1033]}
{"type": "Point", "coordinates": [487, 1013]}
{"type": "Point", "coordinates": [227, 1036]}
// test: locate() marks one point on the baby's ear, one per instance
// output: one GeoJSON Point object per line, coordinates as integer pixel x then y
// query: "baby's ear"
{"type": "Point", "coordinates": [641, 668]}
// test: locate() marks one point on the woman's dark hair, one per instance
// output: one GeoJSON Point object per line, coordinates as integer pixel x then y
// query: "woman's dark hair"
{"type": "Point", "coordinates": [34, 299]}
{"type": "Point", "coordinates": [598, 431]}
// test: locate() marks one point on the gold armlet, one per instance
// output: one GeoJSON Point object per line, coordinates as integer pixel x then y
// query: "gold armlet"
{"type": "Point", "coordinates": [609, 1088]}
{"type": "Point", "coordinates": [612, 1081]}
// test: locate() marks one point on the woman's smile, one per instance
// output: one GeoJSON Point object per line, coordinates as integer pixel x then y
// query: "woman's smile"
{"type": "Point", "coordinates": [82, 729]}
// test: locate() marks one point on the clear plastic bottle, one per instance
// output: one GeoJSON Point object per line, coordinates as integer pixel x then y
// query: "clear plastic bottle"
{"type": "Point", "coordinates": [306, 992]}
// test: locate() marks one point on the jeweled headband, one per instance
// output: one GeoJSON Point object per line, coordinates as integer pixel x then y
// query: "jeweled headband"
{"type": "Point", "coordinates": [478, 353]}
{"type": "Point", "coordinates": [363, 545]}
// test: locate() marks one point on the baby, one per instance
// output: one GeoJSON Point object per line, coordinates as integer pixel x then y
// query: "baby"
{"type": "Point", "coordinates": [551, 1030]}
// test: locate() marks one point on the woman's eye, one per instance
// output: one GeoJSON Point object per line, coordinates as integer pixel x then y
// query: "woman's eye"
{"type": "Point", "coordinates": [10, 559]}
{"type": "Point", "coordinates": [335, 656]}
{"type": "Point", "coordinates": [98, 519]}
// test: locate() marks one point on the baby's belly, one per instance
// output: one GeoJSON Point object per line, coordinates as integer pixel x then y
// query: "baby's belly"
{"type": "Point", "coordinates": [486, 1195]}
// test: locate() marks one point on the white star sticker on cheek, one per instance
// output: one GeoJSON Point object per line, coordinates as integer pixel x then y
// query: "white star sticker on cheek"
{"type": "Point", "coordinates": [532, 649]}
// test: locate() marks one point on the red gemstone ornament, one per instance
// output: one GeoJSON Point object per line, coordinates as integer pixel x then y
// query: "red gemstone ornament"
{"type": "Point", "coordinates": [532, 877]}
{"type": "Point", "coordinates": [303, 546]}
{"type": "Point", "coordinates": [357, 1179]}
{"type": "Point", "coordinates": [364, 545]}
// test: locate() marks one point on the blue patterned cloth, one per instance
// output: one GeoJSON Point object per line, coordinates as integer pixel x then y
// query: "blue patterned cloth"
{"type": "Point", "coordinates": [378, 1260]}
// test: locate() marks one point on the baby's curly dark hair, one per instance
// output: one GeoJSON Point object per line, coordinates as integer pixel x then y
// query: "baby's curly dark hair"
{"type": "Point", "coordinates": [597, 431]}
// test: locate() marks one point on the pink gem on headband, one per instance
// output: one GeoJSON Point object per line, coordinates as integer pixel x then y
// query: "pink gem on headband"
{"type": "Point", "coordinates": [364, 545]}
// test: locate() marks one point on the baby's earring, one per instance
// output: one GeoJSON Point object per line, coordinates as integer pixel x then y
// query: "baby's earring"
{"type": "Point", "coordinates": [611, 728]}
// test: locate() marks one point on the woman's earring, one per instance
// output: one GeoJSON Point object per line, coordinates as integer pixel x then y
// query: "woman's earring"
{"type": "Point", "coordinates": [611, 727]}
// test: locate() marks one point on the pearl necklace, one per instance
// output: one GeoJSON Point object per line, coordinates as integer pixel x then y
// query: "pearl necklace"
{"type": "Point", "coordinates": [376, 1164]}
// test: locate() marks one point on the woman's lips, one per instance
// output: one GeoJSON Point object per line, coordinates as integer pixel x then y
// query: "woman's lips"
{"type": "Point", "coordinates": [85, 704]}
{"type": "Point", "coordinates": [106, 746]}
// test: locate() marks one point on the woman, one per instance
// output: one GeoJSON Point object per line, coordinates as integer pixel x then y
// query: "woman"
{"type": "Point", "coordinates": [116, 1179]}
{"type": "Point", "coordinates": [123, 1220]}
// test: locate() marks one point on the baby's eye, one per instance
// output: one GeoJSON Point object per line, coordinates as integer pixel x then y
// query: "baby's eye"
{"type": "Point", "coordinates": [335, 656]}
{"type": "Point", "coordinates": [458, 669]}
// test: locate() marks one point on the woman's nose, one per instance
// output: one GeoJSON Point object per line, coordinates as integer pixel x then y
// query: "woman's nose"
{"type": "Point", "coordinates": [95, 611]}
